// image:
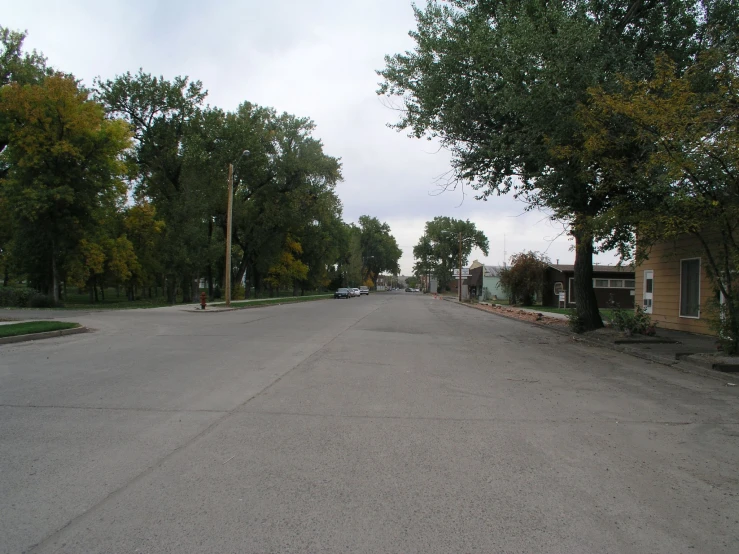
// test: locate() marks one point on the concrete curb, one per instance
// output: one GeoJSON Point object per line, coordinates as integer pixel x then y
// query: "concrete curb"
{"type": "Point", "coordinates": [256, 305]}
{"type": "Point", "coordinates": [679, 364]}
{"type": "Point", "coordinates": [46, 335]}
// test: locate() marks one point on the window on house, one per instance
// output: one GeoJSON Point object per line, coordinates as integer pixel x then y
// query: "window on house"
{"type": "Point", "coordinates": [600, 283]}
{"type": "Point", "coordinates": [617, 283]}
{"type": "Point", "coordinates": [690, 284]}
{"type": "Point", "coordinates": [630, 283]}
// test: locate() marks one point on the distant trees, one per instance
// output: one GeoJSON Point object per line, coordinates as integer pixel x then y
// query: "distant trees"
{"type": "Point", "coordinates": [126, 186]}
{"type": "Point", "coordinates": [438, 250]}
{"type": "Point", "coordinates": [523, 280]}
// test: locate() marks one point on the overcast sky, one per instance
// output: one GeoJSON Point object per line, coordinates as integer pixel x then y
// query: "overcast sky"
{"type": "Point", "coordinates": [312, 58]}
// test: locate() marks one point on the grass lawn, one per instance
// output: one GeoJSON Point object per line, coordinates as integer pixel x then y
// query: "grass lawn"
{"type": "Point", "coordinates": [75, 301]}
{"type": "Point", "coordinates": [30, 327]}
{"type": "Point", "coordinates": [278, 300]}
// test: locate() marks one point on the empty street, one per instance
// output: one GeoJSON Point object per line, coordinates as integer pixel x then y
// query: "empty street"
{"type": "Point", "coordinates": [387, 423]}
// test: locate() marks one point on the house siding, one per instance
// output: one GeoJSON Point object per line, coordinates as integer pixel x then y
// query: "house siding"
{"type": "Point", "coordinates": [494, 288]}
{"type": "Point", "coordinates": [664, 260]}
{"type": "Point", "coordinates": [604, 296]}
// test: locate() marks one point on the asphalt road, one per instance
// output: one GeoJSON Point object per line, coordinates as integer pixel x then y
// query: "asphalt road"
{"type": "Point", "coordinates": [389, 423]}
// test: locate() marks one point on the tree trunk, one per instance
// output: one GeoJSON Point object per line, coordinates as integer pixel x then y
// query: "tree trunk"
{"type": "Point", "coordinates": [54, 275]}
{"type": "Point", "coordinates": [6, 276]}
{"type": "Point", "coordinates": [185, 290]}
{"type": "Point", "coordinates": [95, 289]}
{"type": "Point", "coordinates": [171, 290]}
{"type": "Point", "coordinates": [586, 304]}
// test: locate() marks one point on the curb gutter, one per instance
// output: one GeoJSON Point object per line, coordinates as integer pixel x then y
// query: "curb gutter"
{"type": "Point", "coordinates": [46, 335]}
{"type": "Point", "coordinates": [680, 363]}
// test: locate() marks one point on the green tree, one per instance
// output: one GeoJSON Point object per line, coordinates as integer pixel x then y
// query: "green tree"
{"type": "Point", "coordinates": [380, 251]}
{"type": "Point", "coordinates": [500, 83]}
{"type": "Point", "coordinates": [523, 280]}
{"type": "Point", "coordinates": [65, 171]}
{"type": "Point", "coordinates": [163, 115]}
{"type": "Point", "coordinates": [439, 247]}
{"type": "Point", "coordinates": [687, 182]}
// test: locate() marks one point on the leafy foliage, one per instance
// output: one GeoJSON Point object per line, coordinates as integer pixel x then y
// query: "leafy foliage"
{"type": "Point", "coordinates": [633, 322]}
{"type": "Point", "coordinates": [686, 182]}
{"type": "Point", "coordinates": [127, 187]}
{"type": "Point", "coordinates": [523, 281]}
{"type": "Point", "coordinates": [65, 172]}
{"type": "Point", "coordinates": [500, 84]}
{"type": "Point", "coordinates": [438, 250]}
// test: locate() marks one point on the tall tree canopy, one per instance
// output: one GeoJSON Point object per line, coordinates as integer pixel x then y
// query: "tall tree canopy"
{"type": "Point", "coordinates": [126, 186]}
{"type": "Point", "coordinates": [65, 172]}
{"type": "Point", "coordinates": [500, 84]}
{"type": "Point", "coordinates": [438, 250]}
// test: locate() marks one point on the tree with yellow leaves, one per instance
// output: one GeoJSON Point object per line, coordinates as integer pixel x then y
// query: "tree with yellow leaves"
{"type": "Point", "coordinates": [686, 124]}
{"type": "Point", "coordinates": [65, 172]}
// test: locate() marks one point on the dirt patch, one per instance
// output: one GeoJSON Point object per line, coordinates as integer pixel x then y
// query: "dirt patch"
{"type": "Point", "coordinates": [533, 317]}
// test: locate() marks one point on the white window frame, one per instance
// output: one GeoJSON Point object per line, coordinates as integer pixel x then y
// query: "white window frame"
{"type": "Point", "coordinates": [610, 282]}
{"type": "Point", "coordinates": [680, 289]}
{"type": "Point", "coordinates": [570, 290]}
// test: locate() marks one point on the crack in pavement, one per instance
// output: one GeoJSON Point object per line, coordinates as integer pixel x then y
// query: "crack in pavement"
{"type": "Point", "coordinates": [112, 409]}
{"type": "Point", "coordinates": [489, 419]}
{"type": "Point", "coordinates": [161, 461]}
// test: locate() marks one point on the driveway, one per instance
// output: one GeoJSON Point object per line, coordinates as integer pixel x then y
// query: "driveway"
{"type": "Point", "coordinates": [388, 423]}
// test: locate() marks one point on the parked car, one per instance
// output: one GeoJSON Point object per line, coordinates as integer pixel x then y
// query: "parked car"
{"type": "Point", "coordinates": [364, 290]}
{"type": "Point", "coordinates": [408, 289]}
{"type": "Point", "coordinates": [355, 291]}
{"type": "Point", "coordinates": [342, 293]}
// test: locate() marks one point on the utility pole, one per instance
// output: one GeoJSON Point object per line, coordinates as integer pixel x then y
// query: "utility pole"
{"type": "Point", "coordinates": [228, 232]}
{"type": "Point", "coordinates": [229, 211]}
{"type": "Point", "coordinates": [460, 266]}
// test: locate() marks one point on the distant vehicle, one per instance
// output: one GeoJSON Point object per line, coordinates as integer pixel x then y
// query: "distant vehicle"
{"type": "Point", "coordinates": [408, 289]}
{"type": "Point", "coordinates": [342, 293]}
{"type": "Point", "coordinates": [355, 291]}
{"type": "Point", "coordinates": [364, 290]}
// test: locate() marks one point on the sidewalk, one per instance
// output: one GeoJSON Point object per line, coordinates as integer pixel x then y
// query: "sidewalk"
{"type": "Point", "coordinates": [683, 351]}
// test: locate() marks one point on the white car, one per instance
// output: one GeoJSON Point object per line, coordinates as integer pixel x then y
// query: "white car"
{"type": "Point", "coordinates": [355, 292]}
{"type": "Point", "coordinates": [364, 290]}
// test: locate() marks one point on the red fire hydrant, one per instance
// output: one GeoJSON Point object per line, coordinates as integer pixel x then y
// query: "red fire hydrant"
{"type": "Point", "coordinates": [202, 300]}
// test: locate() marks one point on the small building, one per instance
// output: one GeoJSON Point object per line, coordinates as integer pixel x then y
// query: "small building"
{"type": "Point", "coordinates": [474, 281]}
{"type": "Point", "coordinates": [491, 284]}
{"type": "Point", "coordinates": [673, 286]}
{"type": "Point", "coordinates": [453, 285]}
{"type": "Point", "coordinates": [614, 285]}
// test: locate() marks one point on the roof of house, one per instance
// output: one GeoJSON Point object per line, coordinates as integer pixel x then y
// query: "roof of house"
{"type": "Point", "coordinates": [492, 270]}
{"type": "Point", "coordinates": [596, 268]}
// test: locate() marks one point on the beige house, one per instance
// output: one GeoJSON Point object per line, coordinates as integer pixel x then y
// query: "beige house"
{"type": "Point", "coordinates": [673, 287]}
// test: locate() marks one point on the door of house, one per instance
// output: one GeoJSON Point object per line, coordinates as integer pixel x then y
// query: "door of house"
{"type": "Point", "coordinates": [648, 290]}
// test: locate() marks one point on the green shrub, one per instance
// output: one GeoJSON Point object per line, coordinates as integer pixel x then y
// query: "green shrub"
{"type": "Point", "coordinates": [39, 300]}
{"type": "Point", "coordinates": [637, 322]}
{"type": "Point", "coordinates": [23, 297]}
{"type": "Point", "coordinates": [12, 297]}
